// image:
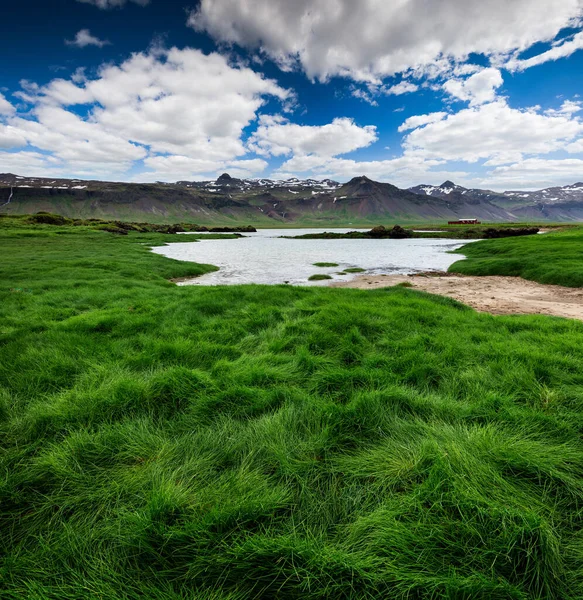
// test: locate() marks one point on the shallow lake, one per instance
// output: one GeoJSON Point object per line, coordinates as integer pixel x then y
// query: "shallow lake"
{"type": "Point", "coordinates": [265, 257]}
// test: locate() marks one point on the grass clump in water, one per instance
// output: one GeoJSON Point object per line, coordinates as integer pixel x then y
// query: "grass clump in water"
{"type": "Point", "coordinates": [325, 264]}
{"type": "Point", "coordinates": [256, 442]}
{"type": "Point", "coordinates": [354, 270]}
{"type": "Point", "coordinates": [319, 277]}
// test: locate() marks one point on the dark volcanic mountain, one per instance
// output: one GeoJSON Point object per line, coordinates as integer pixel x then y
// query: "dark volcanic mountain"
{"type": "Point", "coordinates": [554, 195]}
{"type": "Point", "coordinates": [228, 200]}
{"type": "Point", "coordinates": [551, 204]}
{"type": "Point", "coordinates": [451, 192]}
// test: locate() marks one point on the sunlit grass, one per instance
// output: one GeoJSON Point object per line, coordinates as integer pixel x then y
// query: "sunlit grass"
{"type": "Point", "coordinates": [276, 442]}
{"type": "Point", "coordinates": [554, 258]}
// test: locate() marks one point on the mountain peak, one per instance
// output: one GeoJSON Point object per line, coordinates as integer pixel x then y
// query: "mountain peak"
{"type": "Point", "coordinates": [360, 180]}
{"type": "Point", "coordinates": [448, 184]}
{"type": "Point", "coordinates": [224, 178]}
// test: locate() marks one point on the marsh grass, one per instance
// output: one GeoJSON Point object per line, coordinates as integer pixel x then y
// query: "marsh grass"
{"type": "Point", "coordinates": [319, 277]}
{"type": "Point", "coordinates": [552, 258]}
{"type": "Point", "coordinates": [222, 443]}
{"type": "Point", "coordinates": [354, 270]}
{"type": "Point", "coordinates": [325, 264]}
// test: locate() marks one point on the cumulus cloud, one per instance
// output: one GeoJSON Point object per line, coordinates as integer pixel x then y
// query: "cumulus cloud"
{"type": "Point", "coordinates": [536, 173]}
{"type": "Point", "coordinates": [108, 4]}
{"type": "Point", "coordinates": [34, 164]}
{"type": "Point", "coordinates": [151, 106]}
{"type": "Point", "coordinates": [276, 136]}
{"type": "Point", "coordinates": [74, 139]}
{"type": "Point", "coordinates": [177, 168]}
{"type": "Point", "coordinates": [405, 87]}
{"type": "Point", "coordinates": [569, 107]}
{"type": "Point", "coordinates": [84, 39]}
{"type": "Point", "coordinates": [576, 147]}
{"type": "Point", "coordinates": [6, 107]}
{"type": "Point", "coordinates": [421, 120]}
{"type": "Point", "coordinates": [509, 141]}
{"type": "Point", "coordinates": [561, 50]}
{"type": "Point", "coordinates": [477, 89]}
{"type": "Point", "coordinates": [159, 101]}
{"type": "Point", "coordinates": [493, 131]}
{"type": "Point", "coordinates": [389, 37]}
{"type": "Point", "coordinates": [11, 137]}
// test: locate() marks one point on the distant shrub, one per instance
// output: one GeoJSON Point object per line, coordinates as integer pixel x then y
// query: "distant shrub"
{"type": "Point", "coordinates": [45, 218]}
{"type": "Point", "coordinates": [112, 229]}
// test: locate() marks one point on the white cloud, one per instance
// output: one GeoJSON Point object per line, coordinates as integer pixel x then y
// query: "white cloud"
{"type": "Point", "coordinates": [466, 69]}
{"type": "Point", "coordinates": [34, 164]}
{"type": "Point", "coordinates": [576, 147]}
{"type": "Point", "coordinates": [11, 137]}
{"type": "Point", "coordinates": [159, 101]}
{"type": "Point", "coordinates": [569, 107]}
{"type": "Point", "coordinates": [374, 90]}
{"type": "Point", "coordinates": [150, 105]}
{"type": "Point", "coordinates": [276, 136]}
{"type": "Point", "coordinates": [493, 131]}
{"type": "Point", "coordinates": [5, 107]}
{"type": "Point", "coordinates": [107, 4]}
{"type": "Point", "coordinates": [364, 95]}
{"type": "Point", "coordinates": [372, 39]}
{"type": "Point", "coordinates": [421, 120]}
{"type": "Point", "coordinates": [477, 89]}
{"type": "Point", "coordinates": [561, 50]}
{"type": "Point", "coordinates": [536, 173]}
{"type": "Point", "coordinates": [74, 140]}
{"type": "Point", "coordinates": [405, 87]}
{"type": "Point", "coordinates": [180, 168]}
{"type": "Point", "coordinates": [84, 39]}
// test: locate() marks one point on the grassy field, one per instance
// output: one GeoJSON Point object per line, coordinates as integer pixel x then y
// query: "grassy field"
{"type": "Point", "coordinates": [277, 442]}
{"type": "Point", "coordinates": [552, 258]}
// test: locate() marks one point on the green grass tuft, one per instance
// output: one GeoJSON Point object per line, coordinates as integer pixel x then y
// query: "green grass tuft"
{"type": "Point", "coordinates": [354, 270]}
{"type": "Point", "coordinates": [325, 264]}
{"type": "Point", "coordinates": [319, 277]}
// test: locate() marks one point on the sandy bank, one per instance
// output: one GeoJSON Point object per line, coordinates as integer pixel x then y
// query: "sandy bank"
{"type": "Point", "coordinates": [496, 295]}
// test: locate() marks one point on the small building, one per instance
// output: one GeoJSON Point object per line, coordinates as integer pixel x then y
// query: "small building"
{"type": "Point", "coordinates": [465, 222]}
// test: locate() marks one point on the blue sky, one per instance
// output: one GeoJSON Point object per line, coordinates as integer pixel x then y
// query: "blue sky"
{"type": "Point", "coordinates": [487, 94]}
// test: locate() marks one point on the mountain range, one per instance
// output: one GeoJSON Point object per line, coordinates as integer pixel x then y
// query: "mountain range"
{"type": "Point", "coordinates": [280, 202]}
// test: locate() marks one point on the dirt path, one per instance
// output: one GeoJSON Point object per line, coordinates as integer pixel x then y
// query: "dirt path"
{"type": "Point", "coordinates": [496, 295]}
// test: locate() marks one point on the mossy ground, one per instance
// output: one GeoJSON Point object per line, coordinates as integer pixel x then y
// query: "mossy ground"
{"type": "Point", "coordinates": [276, 442]}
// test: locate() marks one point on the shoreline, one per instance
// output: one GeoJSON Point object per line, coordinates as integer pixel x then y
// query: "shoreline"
{"type": "Point", "coordinates": [497, 295]}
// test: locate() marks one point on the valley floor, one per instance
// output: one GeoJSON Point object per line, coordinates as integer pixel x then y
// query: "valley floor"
{"type": "Point", "coordinates": [493, 294]}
